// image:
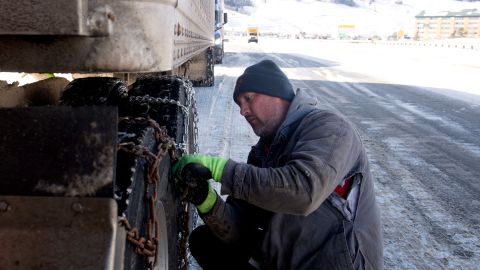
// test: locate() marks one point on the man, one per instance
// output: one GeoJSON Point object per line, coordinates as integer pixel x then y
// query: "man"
{"type": "Point", "coordinates": [305, 198]}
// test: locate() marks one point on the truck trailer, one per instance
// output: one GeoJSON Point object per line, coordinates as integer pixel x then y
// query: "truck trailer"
{"type": "Point", "coordinates": [85, 181]}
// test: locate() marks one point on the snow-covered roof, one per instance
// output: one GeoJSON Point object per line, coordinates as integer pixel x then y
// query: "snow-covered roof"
{"type": "Point", "coordinates": [461, 13]}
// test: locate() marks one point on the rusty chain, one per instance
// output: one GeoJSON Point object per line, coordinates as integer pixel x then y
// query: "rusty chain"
{"type": "Point", "coordinates": [147, 246]}
{"type": "Point", "coordinates": [184, 221]}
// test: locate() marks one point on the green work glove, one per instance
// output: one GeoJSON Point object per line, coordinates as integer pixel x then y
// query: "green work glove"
{"type": "Point", "coordinates": [193, 186]}
{"type": "Point", "coordinates": [214, 164]}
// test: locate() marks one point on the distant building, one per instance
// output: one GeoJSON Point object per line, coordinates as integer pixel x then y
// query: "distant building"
{"type": "Point", "coordinates": [447, 24]}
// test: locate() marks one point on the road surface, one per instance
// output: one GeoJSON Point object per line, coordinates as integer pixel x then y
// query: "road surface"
{"type": "Point", "coordinates": [418, 112]}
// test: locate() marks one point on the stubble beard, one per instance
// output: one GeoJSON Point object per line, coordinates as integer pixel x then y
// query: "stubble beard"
{"type": "Point", "coordinates": [267, 130]}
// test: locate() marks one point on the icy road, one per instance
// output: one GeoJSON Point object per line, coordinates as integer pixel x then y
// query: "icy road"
{"type": "Point", "coordinates": [418, 110]}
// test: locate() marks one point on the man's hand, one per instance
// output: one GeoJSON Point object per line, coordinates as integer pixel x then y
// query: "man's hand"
{"type": "Point", "coordinates": [194, 187]}
{"type": "Point", "coordinates": [214, 164]}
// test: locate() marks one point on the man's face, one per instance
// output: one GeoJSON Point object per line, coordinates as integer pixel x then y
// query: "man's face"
{"type": "Point", "coordinates": [264, 113]}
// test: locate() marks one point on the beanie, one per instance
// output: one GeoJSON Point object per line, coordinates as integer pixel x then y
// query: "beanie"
{"type": "Point", "coordinates": [266, 78]}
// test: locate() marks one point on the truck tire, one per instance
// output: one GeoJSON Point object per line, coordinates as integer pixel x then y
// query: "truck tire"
{"type": "Point", "coordinates": [152, 103]}
{"type": "Point", "coordinates": [94, 91]}
{"type": "Point", "coordinates": [134, 204]}
{"type": "Point", "coordinates": [207, 61]}
{"type": "Point", "coordinates": [219, 56]}
{"type": "Point", "coordinates": [210, 68]}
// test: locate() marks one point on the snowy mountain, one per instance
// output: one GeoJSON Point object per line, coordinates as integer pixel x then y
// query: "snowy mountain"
{"type": "Point", "coordinates": [370, 17]}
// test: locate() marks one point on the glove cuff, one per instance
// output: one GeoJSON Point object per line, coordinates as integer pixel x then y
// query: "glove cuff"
{"type": "Point", "coordinates": [209, 202]}
{"type": "Point", "coordinates": [217, 171]}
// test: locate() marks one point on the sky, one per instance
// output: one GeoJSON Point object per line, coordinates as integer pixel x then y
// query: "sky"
{"type": "Point", "coordinates": [382, 17]}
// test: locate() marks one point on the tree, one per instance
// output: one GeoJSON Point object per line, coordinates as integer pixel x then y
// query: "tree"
{"type": "Point", "coordinates": [350, 3]}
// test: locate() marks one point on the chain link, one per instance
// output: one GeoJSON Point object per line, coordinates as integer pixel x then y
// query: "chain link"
{"type": "Point", "coordinates": [190, 106]}
{"type": "Point", "coordinates": [184, 222]}
{"type": "Point", "coordinates": [147, 246]}
{"type": "Point", "coordinates": [157, 100]}
{"type": "Point", "coordinates": [190, 103]}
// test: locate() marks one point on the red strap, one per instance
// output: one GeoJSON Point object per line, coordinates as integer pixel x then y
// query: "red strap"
{"type": "Point", "coordinates": [343, 190]}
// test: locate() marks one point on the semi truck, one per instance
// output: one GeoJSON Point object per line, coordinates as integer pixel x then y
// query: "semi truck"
{"type": "Point", "coordinates": [252, 34]}
{"type": "Point", "coordinates": [220, 20]}
{"type": "Point", "coordinates": [85, 181]}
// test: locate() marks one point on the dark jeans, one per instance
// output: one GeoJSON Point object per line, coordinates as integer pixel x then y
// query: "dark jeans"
{"type": "Point", "coordinates": [212, 253]}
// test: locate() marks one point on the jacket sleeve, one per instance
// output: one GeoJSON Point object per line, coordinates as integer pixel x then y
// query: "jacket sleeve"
{"type": "Point", "coordinates": [233, 218]}
{"type": "Point", "coordinates": [325, 148]}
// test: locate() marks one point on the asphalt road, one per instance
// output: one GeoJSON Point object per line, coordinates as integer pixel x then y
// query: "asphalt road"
{"type": "Point", "coordinates": [424, 147]}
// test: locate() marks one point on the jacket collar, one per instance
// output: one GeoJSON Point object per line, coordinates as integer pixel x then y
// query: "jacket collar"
{"type": "Point", "coordinates": [301, 105]}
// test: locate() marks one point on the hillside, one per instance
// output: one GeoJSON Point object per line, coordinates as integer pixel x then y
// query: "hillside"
{"type": "Point", "coordinates": [370, 17]}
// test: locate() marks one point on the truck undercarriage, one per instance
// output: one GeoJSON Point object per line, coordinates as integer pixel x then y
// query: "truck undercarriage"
{"type": "Point", "coordinates": [86, 181]}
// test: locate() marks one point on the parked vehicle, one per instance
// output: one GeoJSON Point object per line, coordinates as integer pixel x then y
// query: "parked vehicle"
{"type": "Point", "coordinates": [220, 20]}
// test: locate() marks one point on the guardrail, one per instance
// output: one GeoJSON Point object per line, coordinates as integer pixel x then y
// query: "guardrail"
{"type": "Point", "coordinates": [455, 44]}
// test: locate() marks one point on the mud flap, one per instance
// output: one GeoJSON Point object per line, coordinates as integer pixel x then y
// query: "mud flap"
{"type": "Point", "coordinates": [58, 151]}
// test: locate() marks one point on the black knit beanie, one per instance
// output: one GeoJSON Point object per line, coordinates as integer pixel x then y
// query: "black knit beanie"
{"type": "Point", "coordinates": [265, 78]}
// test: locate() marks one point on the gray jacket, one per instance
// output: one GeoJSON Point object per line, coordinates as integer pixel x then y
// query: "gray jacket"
{"type": "Point", "coordinates": [286, 199]}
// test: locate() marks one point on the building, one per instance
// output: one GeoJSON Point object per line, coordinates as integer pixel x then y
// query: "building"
{"type": "Point", "coordinates": [447, 24]}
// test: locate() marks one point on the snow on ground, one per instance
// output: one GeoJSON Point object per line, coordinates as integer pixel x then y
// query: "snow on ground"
{"type": "Point", "coordinates": [392, 64]}
{"type": "Point", "coordinates": [217, 110]}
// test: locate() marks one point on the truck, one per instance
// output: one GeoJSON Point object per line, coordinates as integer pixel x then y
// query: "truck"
{"type": "Point", "coordinates": [220, 20]}
{"type": "Point", "coordinates": [85, 181]}
{"type": "Point", "coordinates": [252, 33]}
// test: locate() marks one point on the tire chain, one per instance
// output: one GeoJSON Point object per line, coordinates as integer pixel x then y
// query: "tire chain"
{"type": "Point", "coordinates": [114, 92]}
{"type": "Point", "coordinates": [147, 246]}
{"type": "Point", "coordinates": [190, 105]}
{"type": "Point", "coordinates": [151, 100]}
